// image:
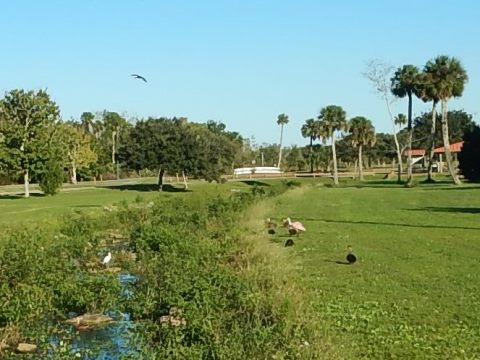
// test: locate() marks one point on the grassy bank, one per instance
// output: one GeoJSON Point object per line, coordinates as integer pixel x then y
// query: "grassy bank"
{"type": "Point", "coordinates": [194, 255]}
{"type": "Point", "coordinates": [414, 291]}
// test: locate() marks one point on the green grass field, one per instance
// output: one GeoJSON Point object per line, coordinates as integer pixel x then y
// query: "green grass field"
{"type": "Point", "coordinates": [415, 289]}
{"type": "Point", "coordinates": [15, 210]}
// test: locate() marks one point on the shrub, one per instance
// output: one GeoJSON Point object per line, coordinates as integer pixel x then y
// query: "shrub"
{"type": "Point", "coordinates": [468, 158]}
{"type": "Point", "coordinates": [51, 178]}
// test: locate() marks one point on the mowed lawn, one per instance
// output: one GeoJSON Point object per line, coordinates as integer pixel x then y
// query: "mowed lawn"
{"type": "Point", "coordinates": [415, 289]}
{"type": "Point", "coordinates": [39, 209]}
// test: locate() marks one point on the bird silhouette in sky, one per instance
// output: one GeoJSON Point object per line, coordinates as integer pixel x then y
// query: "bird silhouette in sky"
{"type": "Point", "coordinates": [136, 76]}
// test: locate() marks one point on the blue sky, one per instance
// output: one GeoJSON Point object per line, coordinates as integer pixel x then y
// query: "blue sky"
{"type": "Point", "coordinates": [241, 62]}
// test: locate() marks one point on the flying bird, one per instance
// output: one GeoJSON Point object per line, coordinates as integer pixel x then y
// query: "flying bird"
{"type": "Point", "coordinates": [136, 76]}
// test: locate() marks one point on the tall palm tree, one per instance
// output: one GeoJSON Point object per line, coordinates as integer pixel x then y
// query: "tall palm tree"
{"type": "Point", "coordinates": [114, 123]}
{"type": "Point", "coordinates": [406, 82]}
{"type": "Point", "coordinates": [310, 129]}
{"type": "Point", "coordinates": [449, 78]}
{"type": "Point", "coordinates": [282, 119]}
{"type": "Point", "coordinates": [332, 118]}
{"type": "Point", "coordinates": [362, 134]}
{"type": "Point", "coordinates": [87, 120]}
{"type": "Point", "coordinates": [429, 92]}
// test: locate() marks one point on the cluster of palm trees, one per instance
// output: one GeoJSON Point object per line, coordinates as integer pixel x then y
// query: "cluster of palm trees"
{"type": "Point", "coordinates": [441, 79]}
{"type": "Point", "coordinates": [333, 119]}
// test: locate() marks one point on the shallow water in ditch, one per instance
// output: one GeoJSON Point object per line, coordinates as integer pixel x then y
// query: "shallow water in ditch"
{"type": "Point", "coordinates": [112, 341]}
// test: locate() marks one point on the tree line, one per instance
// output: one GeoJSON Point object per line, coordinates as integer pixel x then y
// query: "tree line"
{"type": "Point", "coordinates": [37, 145]}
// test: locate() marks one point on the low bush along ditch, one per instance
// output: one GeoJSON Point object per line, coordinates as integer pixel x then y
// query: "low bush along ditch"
{"type": "Point", "coordinates": [190, 299]}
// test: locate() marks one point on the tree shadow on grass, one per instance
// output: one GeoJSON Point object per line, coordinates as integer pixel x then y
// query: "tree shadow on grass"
{"type": "Point", "coordinates": [464, 210]}
{"type": "Point", "coordinates": [254, 182]}
{"type": "Point", "coordinates": [146, 188]}
{"type": "Point", "coordinates": [395, 224]}
{"type": "Point", "coordinates": [19, 196]}
{"type": "Point", "coordinates": [86, 206]}
{"type": "Point", "coordinates": [452, 187]}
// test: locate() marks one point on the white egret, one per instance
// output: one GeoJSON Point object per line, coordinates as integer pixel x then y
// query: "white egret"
{"type": "Point", "coordinates": [107, 259]}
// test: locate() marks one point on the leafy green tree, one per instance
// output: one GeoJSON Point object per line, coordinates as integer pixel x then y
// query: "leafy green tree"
{"type": "Point", "coordinates": [332, 118]}
{"type": "Point", "coordinates": [310, 130]}
{"type": "Point", "coordinates": [269, 153]}
{"type": "Point", "coordinates": [27, 128]}
{"type": "Point", "coordinates": [406, 82]}
{"type": "Point", "coordinates": [468, 158]}
{"type": "Point", "coordinates": [78, 148]}
{"type": "Point", "coordinates": [346, 153]}
{"type": "Point", "coordinates": [459, 123]}
{"type": "Point", "coordinates": [282, 120]}
{"type": "Point", "coordinates": [51, 176]}
{"type": "Point", "coordinates": [294, 159]}
{"type": "Point", "coordinates": [383, 150]}
{"type": "Point", "coordinates": [170, 145]}
{"type": "Point", "coordinates": [241, 148]}
{"type": "Point", "coordinates": [448, 77]}
{"type": "Point", "coordinates": [362, 135]}
{"type": "Point", "coordinates": [149, 146]}
{"type": "Point", "coordinates": [205, 154]}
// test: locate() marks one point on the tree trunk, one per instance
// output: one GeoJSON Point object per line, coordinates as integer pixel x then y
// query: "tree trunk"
{"type": "Point", "coordinates": [114, 134]}
{"type": "Point", "coordinates": [311, 154]}
{"type": "Point", "coordinates": [113, 147]}
{"type": "Point", "coordinates": [432, 141]}
{"type": "Point", "coordinates": [409, 142]}
{"type": "Point", "coordinates": [360, 163]}
{"type": "Point", "coordinates": [74, 173]}
{"type": "Point", "coordinates": [280, 152]}
{"type": "Point", "coordinates": [26, 183]}
{"type": "Point", "coordinates": [334, 153]}
{"type": "Point", "coordinates": [184, 180]}
{"type": "Point", "coordinates": [446, 144]}
{"type": "Point", "coordinates": [160, 179]}
{"type": "Point", "coordinates": [397, 145]}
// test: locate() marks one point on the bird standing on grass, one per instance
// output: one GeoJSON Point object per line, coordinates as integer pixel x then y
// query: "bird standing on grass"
{"type": "Point", "coordinates": [270, 226]}
{"type": "Point", "coordinates": [107, 259]}
{"type": "Point", "coordinates": [289, 242]}
{"type": "Point", "coordinates": [294, 228]}
{"type": "Point", "coordinates": [351, 258]}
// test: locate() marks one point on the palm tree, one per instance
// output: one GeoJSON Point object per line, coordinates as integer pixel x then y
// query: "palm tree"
{"type": "Point", "coordinates": [87, 120]}
{"type": "Point", "coordinates": [405, 82]}
{"type": "Point", "coordinates": [114, 123]}
{"type": "Point", "coordinates": [400, 120]}
{"type": "Point", "coordinates": [449, 78]}
{"type": "Point", "coordinates": [332, 118]}
{"type": "Point", "coordinates": [282, 119]}
{"type": "Point", "coordinates": [310, 129]}
{"type": "Point", "coordinates": [429, 91]}
{"type": "Point", "coordinates": [362, 134]}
